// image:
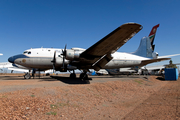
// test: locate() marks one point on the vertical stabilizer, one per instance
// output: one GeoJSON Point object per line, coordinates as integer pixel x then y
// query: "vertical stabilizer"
{"type": "Point", "coordinates": [146, 47]}
{"type": "Point", "coordinates": [152, 35]}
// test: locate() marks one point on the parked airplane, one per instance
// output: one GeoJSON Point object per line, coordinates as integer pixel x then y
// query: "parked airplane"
{"type": "Point", "coordinates": [13, 67]}
{"type": "Point", "coordinates": [95, 57]}
{"type": "Point", "coordinates": [101, 55]}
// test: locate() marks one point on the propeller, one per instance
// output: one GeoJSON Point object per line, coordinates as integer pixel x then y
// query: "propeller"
{"type": "Point", "coordinates": [54, 61]}
{"type": "Point", "coordinates": [64, 55]}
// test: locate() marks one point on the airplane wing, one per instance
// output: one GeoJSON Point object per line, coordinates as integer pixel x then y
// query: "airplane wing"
{"type": "Point", "coordinates": [145, 62]}
{"type": "Point", "coordinates": [100, 53]}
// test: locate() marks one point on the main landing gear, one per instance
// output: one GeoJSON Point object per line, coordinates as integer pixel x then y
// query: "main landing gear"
{"type": "Point", "coordinates": [83, 76]}
{"type": "Point", "coordinates": [27, 76]}
{"type": "Point", "coordinates": [72, 75]}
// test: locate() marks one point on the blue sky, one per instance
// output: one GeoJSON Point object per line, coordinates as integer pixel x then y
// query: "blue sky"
{"type": "Point", "coordinates": [28, 24]}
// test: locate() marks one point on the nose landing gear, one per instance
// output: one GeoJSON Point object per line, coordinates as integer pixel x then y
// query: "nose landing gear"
{"type": "Point", "coordinates": [27, 76]}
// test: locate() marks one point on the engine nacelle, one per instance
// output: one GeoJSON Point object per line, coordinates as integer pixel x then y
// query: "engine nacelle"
{"type": "Point", "coordinates": [155, 55]}
{"type": "Point", "coordinates": [59, 61]}
{"type": "Point", "coordinates": [72, 54]}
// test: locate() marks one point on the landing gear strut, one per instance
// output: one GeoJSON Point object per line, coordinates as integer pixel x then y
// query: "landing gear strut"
{"type": "Point", "coordinates": [27, 76]}
{"type": "Point", "coordinates": [83, 76]}
{"type": "Point", "coordinates": [73, 75]}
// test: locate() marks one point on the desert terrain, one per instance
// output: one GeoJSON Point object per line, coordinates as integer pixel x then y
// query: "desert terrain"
{"type": "Point", "coordinates": [105, 98]}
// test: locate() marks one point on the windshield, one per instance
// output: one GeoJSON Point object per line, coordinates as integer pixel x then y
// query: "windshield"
{"type": "Point", "coordinates": [27, 52]}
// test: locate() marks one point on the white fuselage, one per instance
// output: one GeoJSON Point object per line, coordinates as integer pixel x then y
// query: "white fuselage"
{"type": "Point", "coordinates": [41, 58]}
{"type": "Point", "coordinates": [122, 59]}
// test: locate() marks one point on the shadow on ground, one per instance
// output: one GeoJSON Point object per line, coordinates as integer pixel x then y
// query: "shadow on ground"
{"type": "Point", "coordinates": [69, 80]}
{"type": "Point", "coordinates": [160, 78]}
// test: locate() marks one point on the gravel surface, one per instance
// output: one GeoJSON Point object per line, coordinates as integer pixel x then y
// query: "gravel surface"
{"type": "Point", "coordinates": [107, 97]}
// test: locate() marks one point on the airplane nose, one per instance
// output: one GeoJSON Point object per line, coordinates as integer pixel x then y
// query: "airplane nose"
{"type": "Point", "coordinates": [14, 58]}
{"type": "Point", "coordinates": [11, 59]}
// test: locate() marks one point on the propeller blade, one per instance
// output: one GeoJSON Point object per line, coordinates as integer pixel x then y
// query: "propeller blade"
{"type": "Point", "coordinates": [64, 55]}
{"type": "Point", "coordinates": [64, 51]}
{"type": "Point", "coordinates": [54, 61]}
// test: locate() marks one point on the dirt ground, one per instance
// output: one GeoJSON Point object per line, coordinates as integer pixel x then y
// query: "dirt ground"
{"type": "Point", "coordinates": [105, 98]}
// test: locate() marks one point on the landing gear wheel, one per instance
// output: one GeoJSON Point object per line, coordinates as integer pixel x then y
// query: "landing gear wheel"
{"type": "Point", "coordinates": [83, 76]}
{"type": "Point", "coordinates": [27, 76]}
{"type": "Point", "coordinates": [72, 75]}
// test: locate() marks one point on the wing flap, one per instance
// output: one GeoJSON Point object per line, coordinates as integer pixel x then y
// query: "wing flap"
{"type": "Point", "coordinates": [102, 62]}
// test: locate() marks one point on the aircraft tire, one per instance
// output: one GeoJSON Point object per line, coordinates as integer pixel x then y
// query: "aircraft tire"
{"type": "Point", "coordinates": [83, 76]}
{"type": "Point", "coordinates": [72, 75]}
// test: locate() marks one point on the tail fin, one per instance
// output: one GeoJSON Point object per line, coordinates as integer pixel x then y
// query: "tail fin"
{"type": "Point", "coordinates": [152, 35]}
{"type": "Point", "coordinates": [146, 47]}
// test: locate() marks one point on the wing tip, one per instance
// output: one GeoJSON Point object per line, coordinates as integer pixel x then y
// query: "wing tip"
{"type": "Point", "coordinates": [139, 26]}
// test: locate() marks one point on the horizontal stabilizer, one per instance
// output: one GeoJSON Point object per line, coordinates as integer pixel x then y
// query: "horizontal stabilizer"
{"type": "Point", "coordinates": [145, 62]}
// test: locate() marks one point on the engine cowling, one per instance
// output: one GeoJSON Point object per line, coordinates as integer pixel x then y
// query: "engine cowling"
{"type": "Point", "coordinates": [59, 61]}
{"type": "Point", "coordinates": [73, 54]}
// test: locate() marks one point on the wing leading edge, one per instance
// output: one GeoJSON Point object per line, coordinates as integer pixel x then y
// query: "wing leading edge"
{"type": "Point", "coordinates": [100, 53]}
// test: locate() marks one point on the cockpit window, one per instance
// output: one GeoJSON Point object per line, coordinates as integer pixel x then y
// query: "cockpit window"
{"type": "Point", "coordinates": [25, 52]}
